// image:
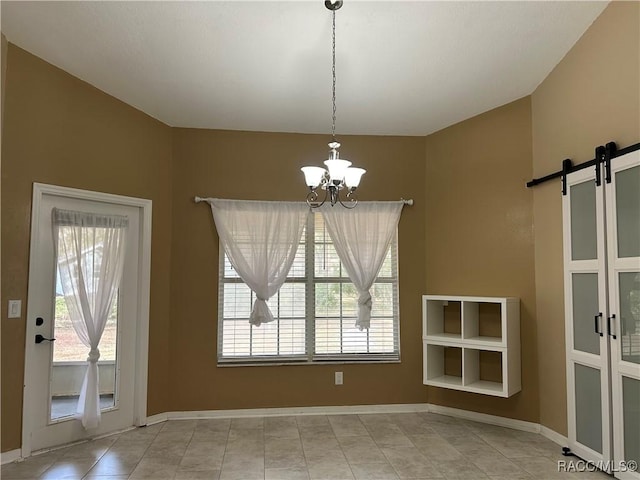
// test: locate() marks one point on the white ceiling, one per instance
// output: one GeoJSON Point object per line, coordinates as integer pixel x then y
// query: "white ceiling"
{"type": "Point", "coordinates": [403, 68]}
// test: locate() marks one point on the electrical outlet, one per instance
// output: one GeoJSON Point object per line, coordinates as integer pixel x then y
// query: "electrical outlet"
{"type": "Point", "coordinates": [338, 378]}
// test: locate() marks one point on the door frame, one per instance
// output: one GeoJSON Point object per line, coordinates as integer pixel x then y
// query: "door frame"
{"type": "Point", "coordinates": [144, 287]}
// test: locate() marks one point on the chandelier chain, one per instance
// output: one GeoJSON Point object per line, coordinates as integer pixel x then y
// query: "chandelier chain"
{"type": "Point", "coordinates": [333, 73]}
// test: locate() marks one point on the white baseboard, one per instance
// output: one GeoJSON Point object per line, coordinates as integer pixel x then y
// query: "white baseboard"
{"type": "Point", "coordinates": [554, 436]}
{"type": "Point", "coordinates": [10, 456]}
{"type": "Point", "coordinates": [485, 418]}
{"type": "Point", "coordinates": [158, 418]}
{"type": "Point", "coordinates": [290, 411]}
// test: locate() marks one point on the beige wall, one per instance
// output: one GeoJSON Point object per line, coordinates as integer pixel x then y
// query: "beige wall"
{"type": "Point", "coordinates": [3, 58]}
{"type": "Point", "coordinates": [62, 131]}
{"type": "Point", "coordinates": [591, 97]}
{"type": "Point", "coordinates": [479, 238]}
{"type": "Point", "coordinates": [266, 166]}
{"type": "Point", "coordinates": [469, 232]}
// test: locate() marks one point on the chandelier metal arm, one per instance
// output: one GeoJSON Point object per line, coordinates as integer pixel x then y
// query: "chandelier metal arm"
{"type": "Point", "coordinates": [352, 201]}
{"type": "Point", "coordinates": [312, 198]}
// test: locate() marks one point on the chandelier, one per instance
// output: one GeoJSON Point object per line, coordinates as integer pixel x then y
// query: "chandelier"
{"type": "Point", "coordinates": [339, 174]}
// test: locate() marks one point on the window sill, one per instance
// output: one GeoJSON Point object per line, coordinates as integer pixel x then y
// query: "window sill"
{"type": "Point", "coordinates": [276, 363]}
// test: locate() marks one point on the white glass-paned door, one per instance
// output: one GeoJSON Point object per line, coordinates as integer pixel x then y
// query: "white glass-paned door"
{"type": "Point", "coordinates": [623, 217]}
{"type": "Point", "coordinates": [57, 368]}
{"type": "Point", "coordinates": [587, 349]}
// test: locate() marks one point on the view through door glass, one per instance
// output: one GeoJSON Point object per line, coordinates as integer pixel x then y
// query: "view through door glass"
{"type": "Point", "coordinates": [70, 361]}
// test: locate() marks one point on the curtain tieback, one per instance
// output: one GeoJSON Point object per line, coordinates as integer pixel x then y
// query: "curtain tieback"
{"type": "Point", "coordinates": [260, 313]}
{"type": "Point", "coordinates": [364, 300]}
{"type": "Point", "coordinates": [94, 355]}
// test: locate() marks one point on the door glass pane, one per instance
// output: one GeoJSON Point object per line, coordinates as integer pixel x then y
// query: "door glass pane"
{"type": "Point", "coordinates": [631, 418]}
{"type": "Point", "coordinates": [583, 221]}
{"type": "Point", "coordinates": [628, 212]}
{"type": "Point", "coordinates": [629, 284]}
{"type": "Point", "coordinates": [70, 360]}
{"type": "Point", "coordinates": [585, 307]}
{"type": "Point", "coordinates": [588, 407]}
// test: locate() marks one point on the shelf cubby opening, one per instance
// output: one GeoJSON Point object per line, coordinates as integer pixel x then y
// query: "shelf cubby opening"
{"type": "Point", "coordinates": [483, 370]}
{"type": "Point", "coordinates": [444, 365]}
{"type": "Point", "coordinates": [482, 322]}
{"type": "Point", "coordinates": [445, 319]}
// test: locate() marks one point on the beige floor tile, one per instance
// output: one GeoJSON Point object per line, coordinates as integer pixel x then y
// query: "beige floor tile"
{"type": "Point", "coordinates": [361, 450]}
{"type": "Point", "coordinates": [389, 436]}
{"type": "Point", "coordinates": [283, 453]}
{"type": "Point", "coordinates": [517, 476]}
{"type": "Point", "coordinates": [105, 477]}
{"type": "Point", "coordinates": [200, 463]}
{"type": "Point", "coordinates": [213, 425]}
{"type": "Point", "coordinates": [332, 469]}
{"type": "Point", "coordinates": [495, 464]}
{"type": "Point", "coordinates": [199, 448]}
{"type": "Point", "coordinates": [412, 446]}
{"type": "Point", "coordinates": [161, 448]}
{"type": "Point", "coordinates": [347, 426]}
{"type": "Point", "coordinates": [256, 423]}
{"type": "Point", "coordinates": [210, 436]}
{"type": "Point", "coordinates": [291, 473]}
{"type": "Point", "coordinates": [311, 420]}
{"type": "Point", "coordinates": [459, 469]}
{"type": "Point", "coordinates": [68, 469]}
{"type": "Point", "coordinates": [372, 419]}
{"type": "Point", "coordinates": [374, 471]}
{"type": "Point", "coordinates": [450, 429]}
{"type": "Point", "coordinates": [156, 468]}
{"type": "Point", "coordinates": [93, 449]}
{"type": "Point", "coordinates": [246, 461]}
{"type": "Point", "coordinates": [434, 447]}
{"type": "Point", "coordinates": [30, 468]}
{"type": "Point", "coordinates": [197, 475]}
{"type": "Point", "coordinates": [179, 426]}
{"type": "Point", "coordinates": [227, 474]}
{"type": "Point", "coordinates": [319, 444]}
{"type": "Point", "coordinates": [281, 427]}
{"type": "Point", "coordinates": [410, 463]}
{"type": "Point", "coordinates": [316, 431]}
{"type": "Point", "coordinates": [116, 463]}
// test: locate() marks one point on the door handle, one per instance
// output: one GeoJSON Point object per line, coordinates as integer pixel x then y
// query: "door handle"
{"type": "Point", "coordinates": [612, 317]}
{"type": "Point", "coordinates": [595, 319]}
{"type": "Point", "coordinates": [40, 339]}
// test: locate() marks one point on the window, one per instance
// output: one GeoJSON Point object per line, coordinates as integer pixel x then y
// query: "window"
{"type": "Point", "coordinates": [315, 310]}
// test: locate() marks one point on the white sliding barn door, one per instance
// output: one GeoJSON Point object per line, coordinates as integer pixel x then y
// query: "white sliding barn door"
{"type": "Point", "coordinates": [623, 228]}
{"type": "Point", "coordinates": [602, 315]}
{"type": "Point", "coordinates": [587, 346]}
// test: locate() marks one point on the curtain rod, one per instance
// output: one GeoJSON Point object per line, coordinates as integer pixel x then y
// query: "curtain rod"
{"type": "Point", "coordinates": [203, 199]}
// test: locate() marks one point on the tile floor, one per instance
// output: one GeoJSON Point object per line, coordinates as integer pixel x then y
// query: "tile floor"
{"type": "Point", "coordinates": [335, 447]}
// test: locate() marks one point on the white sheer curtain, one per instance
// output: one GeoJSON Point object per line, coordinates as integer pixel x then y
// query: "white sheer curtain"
{"type": "Point", "coordinates": [361, 237]}
{"type": "Point", "coordinates": [261, 240]}
{"type": "Point", "coordinates": [90, 255]}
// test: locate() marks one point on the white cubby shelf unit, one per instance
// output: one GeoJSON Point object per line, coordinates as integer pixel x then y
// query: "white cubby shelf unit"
{"type": "Point", "coordinates": [472, 344]}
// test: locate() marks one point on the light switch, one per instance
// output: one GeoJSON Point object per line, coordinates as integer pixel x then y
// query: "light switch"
{"type": "Point", "coordinates": [15, 309]}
